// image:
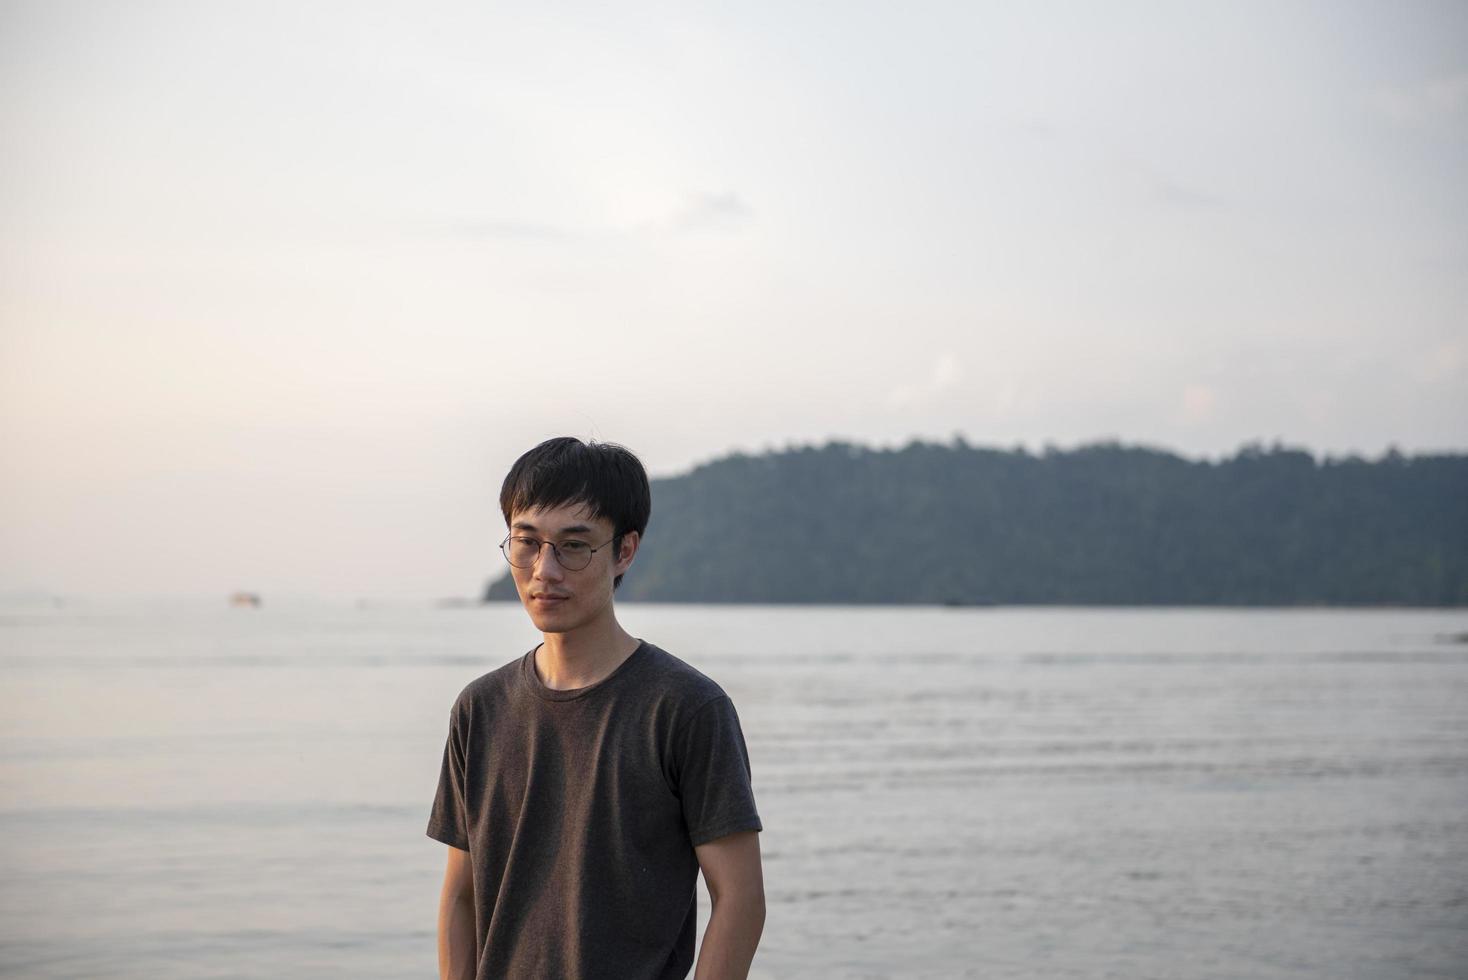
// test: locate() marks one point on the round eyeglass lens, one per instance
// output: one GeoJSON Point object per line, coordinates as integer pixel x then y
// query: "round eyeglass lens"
{"type": "Point", "coordinates": [522, 552]}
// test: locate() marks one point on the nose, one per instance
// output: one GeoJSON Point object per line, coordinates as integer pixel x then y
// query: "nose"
{"type": "Point", "coordinates": [546, 566]}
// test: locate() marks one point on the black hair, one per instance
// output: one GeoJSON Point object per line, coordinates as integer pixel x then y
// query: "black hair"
{"type": "Point", "coordinates": [604, 477]}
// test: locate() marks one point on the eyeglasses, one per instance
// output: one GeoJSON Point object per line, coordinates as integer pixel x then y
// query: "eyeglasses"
{"type": "Point", "coordinates": [522, 551]}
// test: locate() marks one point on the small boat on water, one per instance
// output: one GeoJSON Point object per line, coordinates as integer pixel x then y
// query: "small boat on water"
{"type": "Point", "coordinates": [245, 600]}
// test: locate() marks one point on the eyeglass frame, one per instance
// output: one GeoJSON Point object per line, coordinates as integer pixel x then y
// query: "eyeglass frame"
{"type": "Point", "coordinates": [540, 550]}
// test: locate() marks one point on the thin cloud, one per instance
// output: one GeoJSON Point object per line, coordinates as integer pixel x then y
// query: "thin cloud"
{"type": "Point", "coordinates": [1419, 104]}
{"type": "Point", "coordinates": [1165, 189]}
{"type": "Point", "coordinates": [502, 230]}
{"type": "Point", "coordinates": [697, 212]}
{"type": "Point", "coordinates": [945, 373]}
{"type": "Point", "coordinates": [1175, 194]}
{"type": "Point", "coordinates": [708, 210]}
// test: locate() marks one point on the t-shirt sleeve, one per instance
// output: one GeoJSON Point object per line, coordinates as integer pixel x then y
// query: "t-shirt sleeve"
{"type": "Point", "coordinates": [713, 774]}
{"type": "Point", "coordinates": [448, 820]}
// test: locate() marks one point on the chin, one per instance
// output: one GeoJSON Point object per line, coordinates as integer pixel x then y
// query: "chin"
{"type": "Point", "coordinates": [549, 624]}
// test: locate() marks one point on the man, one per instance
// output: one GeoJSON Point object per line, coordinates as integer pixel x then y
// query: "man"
{"type": "Point", "coordinates": [585, 784]}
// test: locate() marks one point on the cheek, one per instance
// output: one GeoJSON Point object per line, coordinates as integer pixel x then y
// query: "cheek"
{"type": "Point", "coordinates": [602, 590]}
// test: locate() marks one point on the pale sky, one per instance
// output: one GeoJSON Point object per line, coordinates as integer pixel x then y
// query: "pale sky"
{"type": "Point", "coordinates": [286, 287]}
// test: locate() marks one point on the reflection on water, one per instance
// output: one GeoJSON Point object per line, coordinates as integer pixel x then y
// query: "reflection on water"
{"type": "Point", "coordinates": [946, 792]}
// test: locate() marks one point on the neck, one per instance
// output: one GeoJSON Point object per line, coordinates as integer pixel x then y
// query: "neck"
{"type": "Point", "coordinates": [583, 656]}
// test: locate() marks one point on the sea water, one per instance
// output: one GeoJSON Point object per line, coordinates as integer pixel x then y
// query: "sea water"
{"type": "Point", "coordinates": [200, 792]}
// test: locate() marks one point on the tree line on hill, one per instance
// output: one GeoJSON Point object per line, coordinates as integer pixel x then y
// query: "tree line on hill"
{"type": "Point", "coordinates": [1103, 524]}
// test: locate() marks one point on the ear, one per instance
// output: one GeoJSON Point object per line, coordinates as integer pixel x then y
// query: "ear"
{"type": "Point", "coordinates": [631, 541]}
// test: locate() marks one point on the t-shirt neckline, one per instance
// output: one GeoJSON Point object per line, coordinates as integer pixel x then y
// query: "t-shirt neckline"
{"type": "Point", "coordinates": [538, 688]}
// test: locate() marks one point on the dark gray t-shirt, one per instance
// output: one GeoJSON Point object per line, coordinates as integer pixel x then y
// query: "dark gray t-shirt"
{"type": "Point", "coordinates": [580, 810]}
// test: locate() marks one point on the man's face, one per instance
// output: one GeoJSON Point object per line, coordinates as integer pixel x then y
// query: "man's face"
{"type": "Point", "coordinates": [559, 599]}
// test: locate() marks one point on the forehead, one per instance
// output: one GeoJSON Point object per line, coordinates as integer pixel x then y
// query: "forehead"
{"type": "Point", "coordinates": [557, 520]}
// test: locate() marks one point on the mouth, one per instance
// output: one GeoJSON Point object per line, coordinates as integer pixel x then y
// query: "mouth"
{"type": "Point", "coordinates": [548, 598]}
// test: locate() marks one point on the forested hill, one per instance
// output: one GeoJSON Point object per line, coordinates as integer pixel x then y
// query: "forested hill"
{"type": "Point", "coordinates": [1101, 524]}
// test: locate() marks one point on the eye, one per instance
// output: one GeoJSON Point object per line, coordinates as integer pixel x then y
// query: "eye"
{"type": "Point", "coordinates": [574, 547]}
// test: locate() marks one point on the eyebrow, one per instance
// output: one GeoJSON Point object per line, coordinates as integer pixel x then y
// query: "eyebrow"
{"type": "Point", "coordinates": [527, 526]}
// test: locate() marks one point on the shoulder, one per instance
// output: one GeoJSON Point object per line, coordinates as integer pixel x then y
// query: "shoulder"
{"type": "Point", "coordinates": [678, 681]}
{"type": "Point", "coordinates": [487, 690]}
{"type": "Point", "coordinates": [675, 694]}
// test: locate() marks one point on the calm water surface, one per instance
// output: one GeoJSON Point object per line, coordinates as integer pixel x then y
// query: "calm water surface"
{"type": "Point", "coordinates": [1002, 793]}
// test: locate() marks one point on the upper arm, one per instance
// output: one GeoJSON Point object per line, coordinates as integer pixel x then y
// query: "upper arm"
{"type": "Point", "coordinates": [731, 866]}
{"type": "Point", "coordinates": [458, 874]}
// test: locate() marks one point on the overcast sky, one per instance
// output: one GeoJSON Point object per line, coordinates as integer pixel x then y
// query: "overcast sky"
{"type": "Point", "coordinates": [286, 287]}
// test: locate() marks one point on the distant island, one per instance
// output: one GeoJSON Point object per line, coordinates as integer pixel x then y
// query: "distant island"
{"type": "Point", "coordinates": [1103, 524]}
